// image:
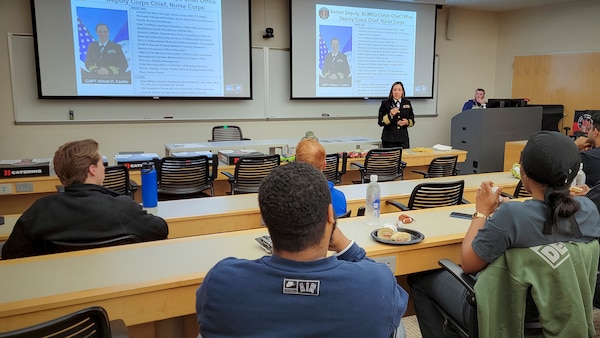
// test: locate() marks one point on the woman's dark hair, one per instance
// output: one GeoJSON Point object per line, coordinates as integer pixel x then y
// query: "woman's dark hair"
{"type": "Point", "coordinates": [392, 89]}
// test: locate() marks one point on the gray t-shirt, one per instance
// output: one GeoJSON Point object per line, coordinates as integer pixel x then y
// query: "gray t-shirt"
{"type": "Point", "coordinates": [521, 225]}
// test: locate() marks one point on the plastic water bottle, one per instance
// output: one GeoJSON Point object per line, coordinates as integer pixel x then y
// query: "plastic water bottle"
{"type": "Point", "coordinates": [149, 186]}
{"type": "Point", "coordinates": [373, 207]}
{"type": "Point", "coordinates": [580, 177]}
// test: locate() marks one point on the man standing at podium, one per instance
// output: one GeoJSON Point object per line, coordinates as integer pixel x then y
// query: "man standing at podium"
{"type": "Point", "coordinates": [478, 100]}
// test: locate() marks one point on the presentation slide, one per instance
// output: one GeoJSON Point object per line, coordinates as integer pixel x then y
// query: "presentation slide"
{"type": "Point", "coordinates": [152, 49]}
{"type": "Point", "coordinates": [360, 48]}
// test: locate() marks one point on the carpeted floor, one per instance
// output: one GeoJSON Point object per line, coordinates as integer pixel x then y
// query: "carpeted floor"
{"type": "Point", "coordinates": [411, 325]}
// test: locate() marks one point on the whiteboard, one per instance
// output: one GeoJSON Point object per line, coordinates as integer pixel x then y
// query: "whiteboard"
{"type": "Point", "coordinates": [270, 86]}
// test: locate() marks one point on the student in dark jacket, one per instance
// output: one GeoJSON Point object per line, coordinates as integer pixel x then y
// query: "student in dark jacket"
{"type": "Point", "coordinates": [85, 212]}
{"type": "Point", "coordinates": [396, 116]}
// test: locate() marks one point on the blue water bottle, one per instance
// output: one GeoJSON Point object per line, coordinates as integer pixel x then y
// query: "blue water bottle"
{"type": "Point", "coordinates": [149, 186]}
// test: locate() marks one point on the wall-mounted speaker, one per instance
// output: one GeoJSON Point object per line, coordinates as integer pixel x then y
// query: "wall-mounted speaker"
{"type": "Point", "coordinates": [450, 24]}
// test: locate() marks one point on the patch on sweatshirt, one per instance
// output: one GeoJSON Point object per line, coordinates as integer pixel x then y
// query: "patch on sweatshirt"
{"type": "Point", "coordinates": [301, 287]}
{"type": "Point", "coordinates": [553, 254]}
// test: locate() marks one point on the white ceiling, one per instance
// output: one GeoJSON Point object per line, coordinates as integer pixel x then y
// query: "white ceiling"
{"type": "Point", "coordinates": [500, 5]}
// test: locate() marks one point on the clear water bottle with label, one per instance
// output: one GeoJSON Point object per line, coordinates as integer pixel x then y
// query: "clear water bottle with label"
{"type": "Point", "coordinates": [373, 207]}
{"type": "Point", "coordinates": [580, 177]}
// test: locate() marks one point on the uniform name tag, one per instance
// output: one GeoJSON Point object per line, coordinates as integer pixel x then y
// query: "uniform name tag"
{"type": "Point", "coordinates": [406, 106]}
{"type": "Point", "coordinates": [301, 287]}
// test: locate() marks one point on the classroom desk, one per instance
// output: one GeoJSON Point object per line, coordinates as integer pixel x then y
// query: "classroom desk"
{"type": "Point", "coordinates": [512, 153]}
{"type": "Point", "coordinates": [275, 146]}
{"type": "Point", "coordinates": [152, 281]}
{"type": "Point", "coordinates": [200, 216]}
{"type": "Point", "coordinates": [16, 203]}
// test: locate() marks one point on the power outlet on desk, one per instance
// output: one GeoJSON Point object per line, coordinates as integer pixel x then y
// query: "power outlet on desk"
{"type": "Point", "coordinates": [6, 189]}
{"type": "Point", "coordinates": [24, 187]}
{"type": "Point", "coordinates": [390, 261]}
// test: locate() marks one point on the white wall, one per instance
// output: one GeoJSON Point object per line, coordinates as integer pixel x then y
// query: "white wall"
{"type": "Point", "coordinates": [480, 55]}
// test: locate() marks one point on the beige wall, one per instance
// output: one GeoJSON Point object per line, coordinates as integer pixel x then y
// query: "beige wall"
{"type": "Point", "coordinates": [480, 55]}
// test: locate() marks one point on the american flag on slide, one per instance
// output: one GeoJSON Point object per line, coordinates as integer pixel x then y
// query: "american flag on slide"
{"type": "Point", "coordinates": [323, 50]}
{"type": "Point", "coordinates": [84, 39]}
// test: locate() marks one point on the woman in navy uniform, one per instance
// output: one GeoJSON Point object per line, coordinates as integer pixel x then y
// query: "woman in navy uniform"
{"type": "Point", "coordinates": [396, 116]}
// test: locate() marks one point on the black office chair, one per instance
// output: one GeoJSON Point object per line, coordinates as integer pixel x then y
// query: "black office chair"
{"type": "Point", "coordinates": [520, 192]}
{"type": "Point", "coordinates": [386, 163]}
{"type": "Point", "coordinates": [441, 167]}
{"type": "Point", "coordinates": [249, 173]}
{"type": "Point", "coordinates": [116, 178]}
{"type": "Point", "coordinates": [522, 272]}
{"type": "Point", "coordinates": [360, 211]}
{"type": "Point", "coordinates": [186, 177]}
{"type": "Point", "coordinates": [227, 133]}
{"type": "Point", "coordinates": [88, 322]}
{"type": "Point", "coordinates": [433, 195]}
{"type": "Point", "coordinates": [345, 215]}
{"type": "Point", "coordinates": [332, 170]}
{"type": "Point", "coordinates": [67, 246]}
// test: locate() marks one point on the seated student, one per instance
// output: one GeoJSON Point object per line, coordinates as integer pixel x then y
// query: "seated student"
{"type": "Point", "coordinates": [477, 101]}
{"type": "Point", "coordinates": [86, 211]}
{"type": "Point", "coordinates": [300, 291]}
{"type": "Point", "coordinates": [312, 152]}
{"type": "Point", "coordinates": [590, 154]}
{"type": "Point", "coordinates": [550, 161]}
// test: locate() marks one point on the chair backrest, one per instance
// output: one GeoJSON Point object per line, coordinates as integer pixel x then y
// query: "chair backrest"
{"type": "Point", "coordinates": [557, 273]}
{"type": "Point", "coordinates": [250, 171]}
{"type": "Point", "coordinates": [383, 162]}
{"type": "Point", "coordinates": [436, 194]}
{"type": "Point", "coordinates": [520, 191]}
{"type": "Point", "coordinates": [443, 166]}
{"type": "Point", "coordinates": [227, 133]}
{"type": "Point", "coordinates": [187, 175]}
{"type": "Point", "coordinates": [332, 170]}
{"type": "Point", "coordinates": [67, 246]}
{"type": "Point", "coordinates": [116, 178]}
{"type": "Point", "coordinates": [89, 322]}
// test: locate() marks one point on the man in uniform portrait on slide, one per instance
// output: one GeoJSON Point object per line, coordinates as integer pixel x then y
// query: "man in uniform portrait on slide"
{"type": "Point", "coordinates": [105, 57]}
{"type": "Point", "coordinates": [336, 70]}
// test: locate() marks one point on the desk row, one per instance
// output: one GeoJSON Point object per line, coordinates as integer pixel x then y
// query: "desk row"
{"type": "Point", "coordinates": [199, 216]}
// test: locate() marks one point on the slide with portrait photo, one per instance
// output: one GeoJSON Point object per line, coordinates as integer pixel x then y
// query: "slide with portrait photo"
{"type": "Point", "coordinates": [377, 44]}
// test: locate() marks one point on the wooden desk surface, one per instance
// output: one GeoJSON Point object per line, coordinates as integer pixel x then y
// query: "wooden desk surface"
{"type": "Point", "coordinates": [200, 216]}
{"type": "Point", "coordinates": [512, 153]}
{"type": "Point", "coordinates": [43, 186]}
{"type": "Point", "coordinates": [151, 281]}
{"type": "Point", "coordinates": [272, 144]}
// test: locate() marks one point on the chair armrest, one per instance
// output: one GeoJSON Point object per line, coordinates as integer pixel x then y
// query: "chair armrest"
{"type": "Point", "coordinates": [505, 194]}
{"type": "Point", "coordinates": [344, 163]}
{"type": "Point", "coordinates": [425, 175]}
{"type": "Point", "coordinates": [359, 165]}
{"type": "Point", "coordinates": [214, 167]}
{"type": "Point", "coordinates": [403, 164]}
{"type": "Point", "coordinates": [398, 205]}
{"type": "Point", "coordinates": [246, 139]}
{"type": "Point", "coordinates": [134, 186]}
{"type": "Point", "coordinates": [455, 172]}
{"type": "Point", "coordinates": [467, 280]}
{"type": "Point", "coordinates": [118, 329]}
{"type": "Point", "coordinates": [465, 201]}
{"type": "Point", "coordinates": [228, 174]}
{"type": "Point", "coordinates": [344, 215]}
